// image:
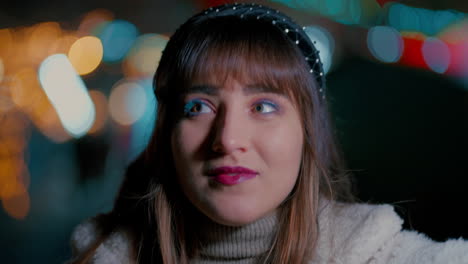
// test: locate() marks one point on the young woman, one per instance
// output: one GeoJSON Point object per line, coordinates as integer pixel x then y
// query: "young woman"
{"type": "Point", "coordinates": [242, 166]}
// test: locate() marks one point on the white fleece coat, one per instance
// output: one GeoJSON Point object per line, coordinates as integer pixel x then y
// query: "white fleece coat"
{"type": "Point", "coordinates": [349, 234]}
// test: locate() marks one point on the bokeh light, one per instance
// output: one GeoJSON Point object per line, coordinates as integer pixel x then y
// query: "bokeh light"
{"type": "Point", "coordinates": [14, 179]}
{"type": "Point", "coordinates": [385, 43]}
{"type": "Point", "coordinates": [63, 44]}
{"type": "Point", "coordinates": [2, 70]}
{"type": "Point", "coordinates": [143, 58]}
{"type": "Point", "coordinates": [17, 56]}
{"type": "Point", "coordinates": [335, 8]}
{"type": "Point", "coordinates": [459, 59]}
{"type": "Point", "coordinates": [429, 22]}
{"type": "Point", "coordinates": [6, 39]}
{"type": "Point", "coordinates": [6, 103]}
{"type": "Point", "coordinates": [86, 54]}
{"type": "Point", "coordinates": [117, 37]}
{"type": "Point", "coordinates": [127, 102]}
{"type": "Point", "coordinates": [39, 42]}
{"type": "Point", "coordinates": [355, 11]}
{"type": "Point", "coordinates": [143, 128]}
{"type": "Point", "coordinates": [324, 43]}
{"type": "Point", "coordinates": [68, 94]}
{"type": "Point", "coordinates": [25, 88]}
{"type": "Point", "coordinates": [26, 93]}
{"type": "Point", "coordinates": [436, 54]}
{"type": "Point", "coordinates": [92, 20]}
{"type": "Point", "coordinates": [100, 103]}
{"type": "Point", "coordinates": [17, 206]}
{"type": "Point", "coordinates": [46, 119]}
{"type": "Point", "coordinates": [383, 2]}
{"type": "Point", "coordinates": [412, 53]}
{"type": "Point", "coordinates": [456, 33]}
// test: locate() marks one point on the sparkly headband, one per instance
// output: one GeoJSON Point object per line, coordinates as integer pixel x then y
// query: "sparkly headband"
{"type": "Point", "coordinates": [294, 32]}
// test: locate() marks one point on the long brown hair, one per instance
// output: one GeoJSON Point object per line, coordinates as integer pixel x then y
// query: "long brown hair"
{"type": "Point", "coordinates": [151, 207]}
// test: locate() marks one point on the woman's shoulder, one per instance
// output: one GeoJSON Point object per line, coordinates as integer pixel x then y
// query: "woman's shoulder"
{"type": "Point", "coordinates": [115, 248]}
{"type": "Point", "coordinates": [358, 233]}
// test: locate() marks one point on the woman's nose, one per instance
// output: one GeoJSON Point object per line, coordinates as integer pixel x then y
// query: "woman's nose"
{"type": "Point", "coordinates": [231, 132]}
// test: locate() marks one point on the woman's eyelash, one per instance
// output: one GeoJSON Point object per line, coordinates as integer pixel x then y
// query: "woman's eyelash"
{"type": "Point", "coordinates": [265, 107]}
{"type": "Point", "coordinates": [195, 107]}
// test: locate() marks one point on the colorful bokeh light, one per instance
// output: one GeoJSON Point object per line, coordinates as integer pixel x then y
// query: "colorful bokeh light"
{"type": "Point", "coordinates": [127, 102]}
{"type": "Point", "coordinates": [100, 102]}
{"type": "Point", "coordinates": [117, 37]}
{"type": "Point", "coordinates": [436, 54]}
{"type": "Point", "coordinates": [385, 43]}
{"type": "Point", "coordinates": [86, 54]}
{"type": "Point", "coordinates": [324, 43]}
{"type": "Point", "coordinates": [68, 94]}
{"type": "Point", "coordinates": [144, 56]}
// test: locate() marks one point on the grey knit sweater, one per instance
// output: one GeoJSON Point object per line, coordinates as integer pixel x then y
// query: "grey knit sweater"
{"type": "Point", "coordinates": [236, 245]}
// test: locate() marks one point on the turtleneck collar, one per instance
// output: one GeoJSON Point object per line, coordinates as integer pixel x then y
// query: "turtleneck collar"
{"type": "Point", "coordinates": [246, 243]}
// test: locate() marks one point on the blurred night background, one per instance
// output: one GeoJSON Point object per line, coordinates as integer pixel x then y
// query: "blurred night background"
{"type": "Point", "coordinates": [76, 106]}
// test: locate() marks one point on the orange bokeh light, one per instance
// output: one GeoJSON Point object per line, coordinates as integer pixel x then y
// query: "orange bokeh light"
{"type": "Point", "coordinates": [17, 206]}
{"type": "Point", "coordinates": [63, 44]}
{"type": "Point", "coordinates": [93, 19]}
{"type": "Point", "coordinates": [25, 89]}
{"type": "Point", "coordinates": [100, 104]}
{"type": "Point", "coordinates": [14, 177]}
{"type": "Point", "coordinates": [39, 43]}
{"type": "Point", "coordinates": [6, 38]}
{"type": "Point", "coordinates": [46, 119]}
{"type": "Point", "coordinates": [2, 69]}
{"type": "Point", "coordinates": [26, 92]}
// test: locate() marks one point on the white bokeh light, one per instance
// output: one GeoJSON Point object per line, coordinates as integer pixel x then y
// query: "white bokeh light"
{"type": "Point", "coordinates": [68, 94]}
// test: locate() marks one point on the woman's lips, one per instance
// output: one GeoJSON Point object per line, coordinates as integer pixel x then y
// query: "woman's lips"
{"type": "Point", "coordinates": [232, 175]}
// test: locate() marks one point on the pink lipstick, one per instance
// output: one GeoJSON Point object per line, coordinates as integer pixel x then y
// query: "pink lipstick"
{"type": "Point", "coordinates": [232, 175]}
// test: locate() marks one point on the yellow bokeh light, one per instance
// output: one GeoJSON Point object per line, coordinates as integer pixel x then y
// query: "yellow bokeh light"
{"type": "Point", "coordinates": [100, 103]}
{"type": "Point", "coordinates": [86, 54]}
{"type": "Point", "coordinates": [17, 206]}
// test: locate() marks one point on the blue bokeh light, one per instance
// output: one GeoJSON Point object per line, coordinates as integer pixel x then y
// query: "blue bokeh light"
{"type": "Point", "coordinates": [385, 43]}
{"type": "Point", "coordinates": [117, 37]}
{"type": "Point", "coordinates": [436, 54]}
{"type": "Point", "coordinates": [325, 44]}
{"type": "Point", "coordinates": [143, 128]}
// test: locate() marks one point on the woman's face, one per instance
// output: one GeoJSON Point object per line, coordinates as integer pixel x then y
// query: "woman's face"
{"type": "Point", "coordinates": [237, 150]}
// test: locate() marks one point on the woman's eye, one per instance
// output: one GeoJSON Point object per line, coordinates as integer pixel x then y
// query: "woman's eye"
{"type": "Point", "coordinates": [196, 107]}
{"type": "Point", "coordinates": [265, 107]}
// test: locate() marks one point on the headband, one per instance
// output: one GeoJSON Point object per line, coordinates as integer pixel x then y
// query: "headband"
{"type": "Point", "coordinates": [281, 21]}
